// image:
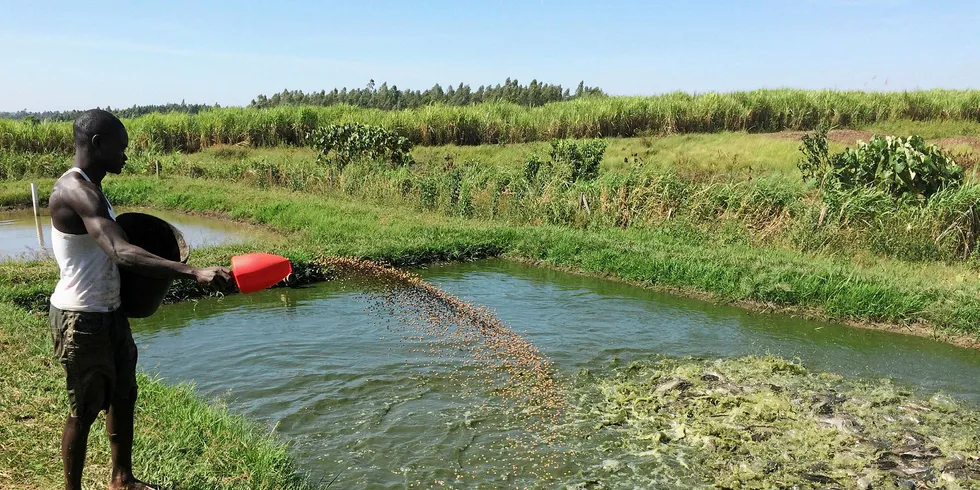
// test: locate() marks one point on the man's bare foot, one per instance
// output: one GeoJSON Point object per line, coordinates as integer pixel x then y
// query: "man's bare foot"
{"type": "Point", "coordinates": [131, 484]}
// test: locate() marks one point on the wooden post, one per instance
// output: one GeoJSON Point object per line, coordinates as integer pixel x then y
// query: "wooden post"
{"type": "Point", "coordinates": [37, 211]}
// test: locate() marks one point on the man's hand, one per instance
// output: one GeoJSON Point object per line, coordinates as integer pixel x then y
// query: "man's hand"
{"type": "Point", "coordinates": [219, 277]}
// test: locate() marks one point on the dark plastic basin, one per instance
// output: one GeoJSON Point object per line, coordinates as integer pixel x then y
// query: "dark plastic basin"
{"type": "Point", "coordinates": [142, 295]}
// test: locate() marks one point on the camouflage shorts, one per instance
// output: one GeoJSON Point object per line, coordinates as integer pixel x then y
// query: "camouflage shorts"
{"type": "Point", "coordinates": [99, 357]}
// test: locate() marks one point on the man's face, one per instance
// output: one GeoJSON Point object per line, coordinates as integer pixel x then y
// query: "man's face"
{"type": "Point", "coordinates": [112, 151]}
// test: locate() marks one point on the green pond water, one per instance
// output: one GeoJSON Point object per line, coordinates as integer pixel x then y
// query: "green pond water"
{"type": "Point", "coordinates": [365, 408]}
{"type": "Point", "coordinates": [24, 236]}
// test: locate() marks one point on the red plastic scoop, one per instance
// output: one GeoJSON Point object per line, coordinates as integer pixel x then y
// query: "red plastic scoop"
{"type": "Point", "coordinates": [258, 271]}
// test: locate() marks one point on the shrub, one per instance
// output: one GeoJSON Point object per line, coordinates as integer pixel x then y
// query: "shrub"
{"type": "Point", "coordinates": [581, 158]}
{"type": "Point", "coordinates": [341, 144]}
{"type": "Point", "coordinates": [531, 167]}
{"type": "Point", "coordinates": [900, 166]}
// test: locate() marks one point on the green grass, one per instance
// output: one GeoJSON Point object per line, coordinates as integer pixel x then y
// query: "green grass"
{"type": "Point", "coordinates": [698, 156]}
{"type": "Point", "coordinates": [735, 155]}
{"type": "Point", "coordinates": [712, 181]}
{"type": "Point", "coordinates": [754, 111]}
{"type": "Point", "coordinates": [704, 156]}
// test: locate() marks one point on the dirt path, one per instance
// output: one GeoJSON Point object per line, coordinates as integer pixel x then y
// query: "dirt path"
{"type": "Point", "coordinates": [971, 141]}
{"type": "Point", "coordinates": [848, 137]}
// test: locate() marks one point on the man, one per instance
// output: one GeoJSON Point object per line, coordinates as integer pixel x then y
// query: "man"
{"type": "Point", "coordinates": [91, 336]}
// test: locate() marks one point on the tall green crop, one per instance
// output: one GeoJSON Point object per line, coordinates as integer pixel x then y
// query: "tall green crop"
{"type": "Point", "coordinates": [502, 122]}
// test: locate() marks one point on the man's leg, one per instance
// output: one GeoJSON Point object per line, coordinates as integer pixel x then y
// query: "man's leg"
{"type": "Point", "coordinates": [74, 441]}
{"type": "Point", "coordinates": [119, 418]}
{"type": "Point", "coordinates": [82, 346]}
{"type": "Point", "coordinates": [119, 425]}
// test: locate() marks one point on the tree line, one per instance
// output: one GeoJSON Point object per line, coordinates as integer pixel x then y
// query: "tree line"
{"type": "Point", "coordinates": [392, 98]}
{"type": "Point", "coordinates": [379, 97]}
{"type": "Point", "coordinates": [135, 111]}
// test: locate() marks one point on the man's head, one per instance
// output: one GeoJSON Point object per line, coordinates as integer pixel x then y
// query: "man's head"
{"type": "Point", "coordinates": [101, 139]}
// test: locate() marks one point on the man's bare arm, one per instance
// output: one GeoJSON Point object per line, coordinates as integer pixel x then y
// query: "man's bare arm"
{"type": "Point", "coordinates": [88, 203]}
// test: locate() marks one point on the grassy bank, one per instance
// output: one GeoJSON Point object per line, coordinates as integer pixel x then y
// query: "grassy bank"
{"type": "Point", "coordinates": [676, 255]}
{"type": "Point", "coordinates": [725, 184]}
{"type": "Point", "coordinates": [755, 111]}
{"type": "Point", "coordinates": [725, 154]}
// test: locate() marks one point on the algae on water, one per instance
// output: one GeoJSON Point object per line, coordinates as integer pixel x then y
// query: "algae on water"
{"type": "Point", "coordinates": [765, 422]}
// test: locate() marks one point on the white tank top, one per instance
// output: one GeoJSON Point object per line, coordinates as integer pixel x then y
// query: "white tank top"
{"type": "Point", "coordinates": [89, 279]}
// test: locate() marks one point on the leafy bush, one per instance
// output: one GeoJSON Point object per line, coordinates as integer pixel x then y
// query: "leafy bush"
{"type": "Point", "coordinates": [341, 144]}
{"type": "Point", "coordinates": [815, 163]}
{"type": "Point", "coordinates": [581, 158]}
{"type": "Point", "coordinates": [531, 167]}
{"type": "Point", "coordinates": [900, 166]}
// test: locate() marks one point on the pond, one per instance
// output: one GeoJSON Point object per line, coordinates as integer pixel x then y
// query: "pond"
{"type": "Point", "coordinates": [363, 406]}
{"type": "Point", "coordinates": [22, 236]}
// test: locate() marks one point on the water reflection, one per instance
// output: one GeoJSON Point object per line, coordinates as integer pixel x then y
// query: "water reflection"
{"type": "Point", "coordinates": [24, 236]}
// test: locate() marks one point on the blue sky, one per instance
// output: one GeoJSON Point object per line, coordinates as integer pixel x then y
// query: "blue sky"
{"type": "Point", "coordinates": [74, 55]}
